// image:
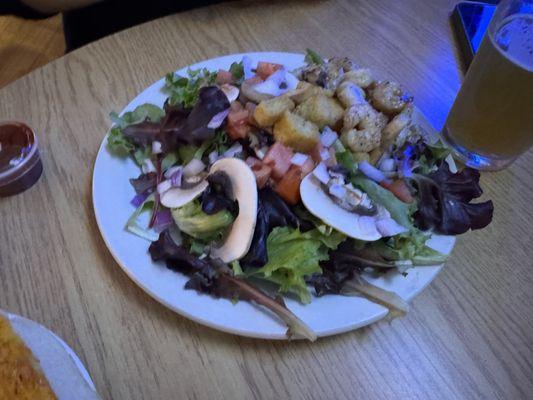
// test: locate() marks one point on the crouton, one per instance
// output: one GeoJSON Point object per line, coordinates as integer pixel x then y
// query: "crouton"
{"type": "Point", "coordinates": [304, 90]}
{"type": "Point", "coordinates": [322, 110]}
{"type": "Point", "coordinates": [269, 111]}
{"type": "Point", "coordinates": [294, 131]}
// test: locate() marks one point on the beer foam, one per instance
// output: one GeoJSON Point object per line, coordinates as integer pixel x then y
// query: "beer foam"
{"type": "Point", "coordinates": [514, 39]}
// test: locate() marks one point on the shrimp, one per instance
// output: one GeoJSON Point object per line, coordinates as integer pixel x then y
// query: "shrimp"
{"type": "Point", "coordinates": [345, 63]}
{"type": "Point", "coordinates": [350, 94]}
{"type": "Point", "coordinates": [389, 97]}
{"type": "Point", "coordinates": [362, 128]}
{"type": "Point", "coordinates": [396, 125]}
{"type": "Point", "coordinates": [362, 77]}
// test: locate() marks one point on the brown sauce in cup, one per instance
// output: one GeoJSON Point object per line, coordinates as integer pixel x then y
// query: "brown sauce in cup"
{"type": "Point", "coordinates": [20, 164]}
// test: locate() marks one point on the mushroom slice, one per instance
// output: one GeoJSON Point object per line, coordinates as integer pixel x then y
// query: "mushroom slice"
{"type": "Point", "coordinates": [178, 197]}
{"type": "Point", "coordinates": [320, 204]}
{"type": "Point", "coordinates": [239, 239]}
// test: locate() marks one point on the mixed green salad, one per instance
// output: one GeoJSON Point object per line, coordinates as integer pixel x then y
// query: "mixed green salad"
{"type": "Point", "coordinates": [304, 179]}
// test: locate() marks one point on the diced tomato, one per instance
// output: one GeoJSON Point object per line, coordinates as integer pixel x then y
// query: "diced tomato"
{"type": "Point", "coordinates": [261, 171]}
{"type": "Point", "coordinates": [236, 105]}
{"type": "Point", "coordinates": [223, 77]}
{"type": "Point", "coordinates": [262, 175]}
{"type": "Point", "coordinates": [289, 186]}
{"type": "Point", "coordinates": [307, 167]}
{"type": "Point", "coordinates": [254, 79]}
{"type": "Point", "coordinates": [237, 124]}
{"type": "Point", "coordinates": [400, 189]}
{"type": "Point", "coordinates": [265, 69]}
{"type": "Point", "coordinates": [315, 153]}
{"type": "Point", "coordinates": [278, 157]}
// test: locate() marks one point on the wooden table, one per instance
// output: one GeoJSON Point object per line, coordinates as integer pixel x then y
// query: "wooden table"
{"type": "Point", "coordinates": [469, 335]}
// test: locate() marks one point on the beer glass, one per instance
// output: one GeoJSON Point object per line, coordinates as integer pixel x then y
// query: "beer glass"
{"type": "Point", "coordinates": [491, 121]}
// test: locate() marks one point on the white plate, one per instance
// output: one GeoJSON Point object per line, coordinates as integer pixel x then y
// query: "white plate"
{"type": "Point", "coordinates": [327, 315]}
{"type": "Point", "coordinates": [62, 367]}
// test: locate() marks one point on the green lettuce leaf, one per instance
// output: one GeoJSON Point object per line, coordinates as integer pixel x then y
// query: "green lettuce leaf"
{"type": "Point", "coordinates": [116, 142]}
{"type": "Point", "coordinates": [411, 247]}
{"type": "Point", "coordinates": [312, 57]}
{"type": "Point", "coordinates": [142, 112]}
{"type": "Point", "coordinates": [293, 256]}
{"type": "Point", "coordinates": [194, 222]}
{"type": "Point", "coordinates": [347, 160]}
{"type": "Point", "coordinates": [142, 154]}
{"type": "Point", "coordinates": [184, 90]}
{"type": "Point", "coordinates": [139, 220]}
{"type": "Point", "coordinates": [169, 160]}
{"type": "Point", "coordinates": [399, 211]}
{"type": "Point", "coordinates": [218, 143]}
{"type": "Point", "coordinates": [237, 70]}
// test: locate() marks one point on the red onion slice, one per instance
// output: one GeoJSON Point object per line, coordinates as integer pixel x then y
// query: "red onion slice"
{"type": "Point", "coordinates": [148, 166]}
{"type": "Point", "coordinates": [321, 173]}
{"type": "Point", "coordinates": [213, 156]}
{"type": "Point", "coordinates": [328, 137]}
{"type": "Point", "coordinates": [157, 147]}
{"type": "Point", "coordinates": [371, 172]}
{"type": "Point", "coordinates": [175, 178]}
{"type": "Point", "coordinates": [299, 159]}
{"type": "Point", "coordinates": [172, 170]}
{"type": "Point", "coordinates": [339, 191]}
{"type": "Point", "coordinates": [218, 119]}
{"type": "Point", "coordinates": [247, 67]}
{"type": "Point", "coordinates": [324, 154]}
{"type": "Point", "coordinates": [389, 227]}
{"type": "Point", "coordinates": [163, 219]}
{"type": "Point", "coordinates": [139, 199]}
{"type": "Point", "coordinates": [387, 165]}
{"type": "Point", "coordinates": [232, 151]}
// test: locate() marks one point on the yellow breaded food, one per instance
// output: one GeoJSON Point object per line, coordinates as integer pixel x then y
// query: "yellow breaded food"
{"type": "Point", "coordinates": [269, 111]}
{"type": "Point", "coordinates": [294, 131]}
{"type": "Point", "coordinates": [322, 110]}
{"type": "Point", "coordinates": [305, 90]}
{"type": "Point", "coordinates": [21, 377]}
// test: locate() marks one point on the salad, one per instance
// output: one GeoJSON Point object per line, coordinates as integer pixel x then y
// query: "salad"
{"type": "Point", "coordinates": [299, 179]}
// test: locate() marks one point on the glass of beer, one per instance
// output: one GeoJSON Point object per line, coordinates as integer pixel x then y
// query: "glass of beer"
{"type": "Point", "coordinates": [491, 121]}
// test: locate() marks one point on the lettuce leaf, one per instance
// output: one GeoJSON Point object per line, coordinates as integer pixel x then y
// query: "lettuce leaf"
{"type": "Point", "coordinates": [117, 143]}
{"type": "Point", "coordinates": [141, 154]}
{"type": "Point", "coordinates": [409, 247]}
{"type": "Point", "coordinates": [184, 90]}
{"type": "Point", "coordinates": [312, 57]}
{"type": "Point", "coordinates": [347, 160]}
{"type": "Point", "coordinates": [293, 256]}
{"type": "Point", "coordinates": [141, 113]}
{"type": "Point", "coordinates": [237, 70]}
{"type": "Point", "coordinates": [445, 201]}
{"type": "Point", "coordinates": [399, 211]}
{"type": "Point", "coordinates": [137, 226]}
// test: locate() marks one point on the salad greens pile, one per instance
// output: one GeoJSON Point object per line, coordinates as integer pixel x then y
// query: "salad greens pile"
{"type": "Point", "coordinates": [296, 252]}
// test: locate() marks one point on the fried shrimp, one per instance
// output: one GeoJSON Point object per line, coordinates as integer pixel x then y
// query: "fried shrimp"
{"type": "Point", "coordinates": [350, 94]}
{"type": "Point", "coordinates": [396, 125]}
{"type": "Point", "coordinates": [362, 128]}
{"type": "Point", "coordinates": [389, 97]}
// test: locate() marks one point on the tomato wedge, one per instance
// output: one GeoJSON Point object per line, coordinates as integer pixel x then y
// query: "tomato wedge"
{"type": "Point", "coordinates": [265, 69]}
{"type": "Point", "coordinates": [400, 189]}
